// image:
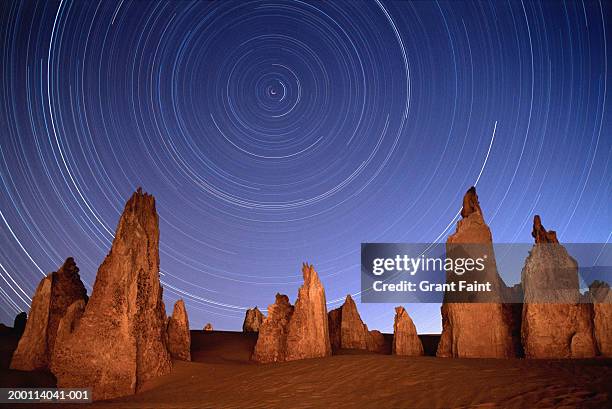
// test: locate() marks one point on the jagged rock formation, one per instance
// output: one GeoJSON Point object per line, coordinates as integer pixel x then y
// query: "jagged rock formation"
{"type": "Point", "coordinates": [555, 323]}
{"type": "Point", "coordinates": [119, 342]}
{"type": "Point", "coordinates": [405, 339]}
{"type": "Point", "coordinates": [470, 203]}
{"type": "Point", "coordinates": [19, 323]}
{"type": "Point", "coordinates": [252, 320]}
{"type": "Point", "coordinates": [347, 330]}
{"type": "Point", "coordinates": [486, 329]}
{"type": "Point", "coordinates": [308, 331]}
{"type": "Point", "coordinates": [601, 297]}
{"type": "Point", "coordinates": [179, 337]}
{"type": "Point", "coordinates": [208, 327]}
{"type": "Point", "coordinates": [290, 333]}
{"type": "Point", "coordinates": [272, 339]}
{"type": "Point", "coordinates": [55, 293]}
{"type": "Point", "coordinates": [540, 234]}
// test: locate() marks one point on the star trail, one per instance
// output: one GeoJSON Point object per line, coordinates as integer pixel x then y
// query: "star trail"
{"type": "Point", "coordinates": [276, 132]}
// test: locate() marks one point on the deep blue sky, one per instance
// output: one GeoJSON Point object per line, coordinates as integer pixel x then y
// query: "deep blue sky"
{"type": "Point", "coordinates": [273, 133]}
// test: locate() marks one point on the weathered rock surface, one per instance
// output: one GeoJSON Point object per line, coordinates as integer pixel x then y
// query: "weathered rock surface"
{"type": "Point", "coordinates": [353, 332]}
{"type": "Point", "coordinates": [272, 339]}
{"type": "Point", "coordinates": [31, 353]}
{"type": "Point", "coordinates": [540, 234]}
{"type": "Point", "coordinates": [405, 339]}
{"type": "Point", "coordinates": [54, 295]}
{"type": "Point", "coordinates": [602, 316]}
{"type": "Point", "coordinates": [477, 330]}
{"type": "Point", "coordinates": [179, 337]}
{"type": "Point", "coordinates": [376, 342]}
{"type": "Point", "coordinates": [65, 330]}
{"type": "Point", "coordinates": [208, 327]}
{"type": "Point", "coordinates": [308, 331]}
{"type": "Point", "coordinates": [334, 321]}
{"type": "Point", "coordinates": [19, 323]}
{"type": "Point", "coordinates": [347, 330]}
{"type": "Point", "coordinates": [470, 203]}
{"type": "Point", "coordinates": [555, 323]}
{"type": "Point", "coordinates": [252, 320]}
{"type": "Point", "coordinates": [119, 342]}
{"type": "Point", "coordinates": [289, 333]}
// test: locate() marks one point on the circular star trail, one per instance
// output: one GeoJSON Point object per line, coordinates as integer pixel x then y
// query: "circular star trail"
{"type": "Point", "coordinates": [276, 132]}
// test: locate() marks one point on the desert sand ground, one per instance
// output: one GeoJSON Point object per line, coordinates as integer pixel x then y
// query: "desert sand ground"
{"type": "Point", "coordinates": [221, 376]}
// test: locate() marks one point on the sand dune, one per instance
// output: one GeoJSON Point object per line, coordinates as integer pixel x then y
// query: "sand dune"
{"type": "Point", "coordinates": [222, 376]}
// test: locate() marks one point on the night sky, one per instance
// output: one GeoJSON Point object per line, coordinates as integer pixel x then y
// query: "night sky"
{"type": "Point", "coordinates": [272, 133]}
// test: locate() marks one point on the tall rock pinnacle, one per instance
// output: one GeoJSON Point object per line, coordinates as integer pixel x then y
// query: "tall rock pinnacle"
{"type": "Point", "coordinates": [555, 323]}
{"type": "Point", "coordinates": [486, 329]}
{"type": "Point", "coordinates": [119, 342]}
{"type": "Point", "coordinates": [308, 331]}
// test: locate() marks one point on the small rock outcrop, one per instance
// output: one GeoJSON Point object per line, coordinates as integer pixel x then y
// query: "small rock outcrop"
{"type": "Point", "coordinates": [19, 323]}
{"type": "Point", "coordinates": [208, 327]}
{"type": "Point", "coordinates": [480, 326]}
{"type": "Point", "coordinates": [405, 339]}
{"type": "Point", "coordinates": [555, 323]}
{"type": "Point", "coordinates": [119, 342]}
{"type": "Point", "coordinates": [601, 297]}
{"type": "Point", "coordinates": [252, 320]}
{"type": "Point", "coordinates": [55, 293]}
{"type": "Point", "coordinates": [308, 331]}
{"type": "Point", "coordinates": [179, 337]}
{"type": "Point", "coordinates": [272, 339]}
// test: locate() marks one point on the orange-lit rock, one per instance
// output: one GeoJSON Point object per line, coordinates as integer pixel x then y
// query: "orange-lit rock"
{"type": "Point", "coordinates": [54, 295]}
{"type": "Point", "coordinates": [179, 337]}
{"type": "Point", "coordinates": [119, 342]}
{"type": "Point", "coordinates": [405, 339]}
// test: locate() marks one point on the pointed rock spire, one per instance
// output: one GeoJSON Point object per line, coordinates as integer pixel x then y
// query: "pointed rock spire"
{"type": "Point", "coordinates": [347, 330]}
{"type": "Point", "coordinates": [540, 234]}
{"type": "Point", "coordinates": [120, 342]}
{"type": "Point", "coordinates": [480, 330]}
{"type": "Point", "coordinates": [308, 331]}
{"type": "Point", "coordinates": [405, 339]}
{"type": "Point", "coordinates": [289, 333]}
